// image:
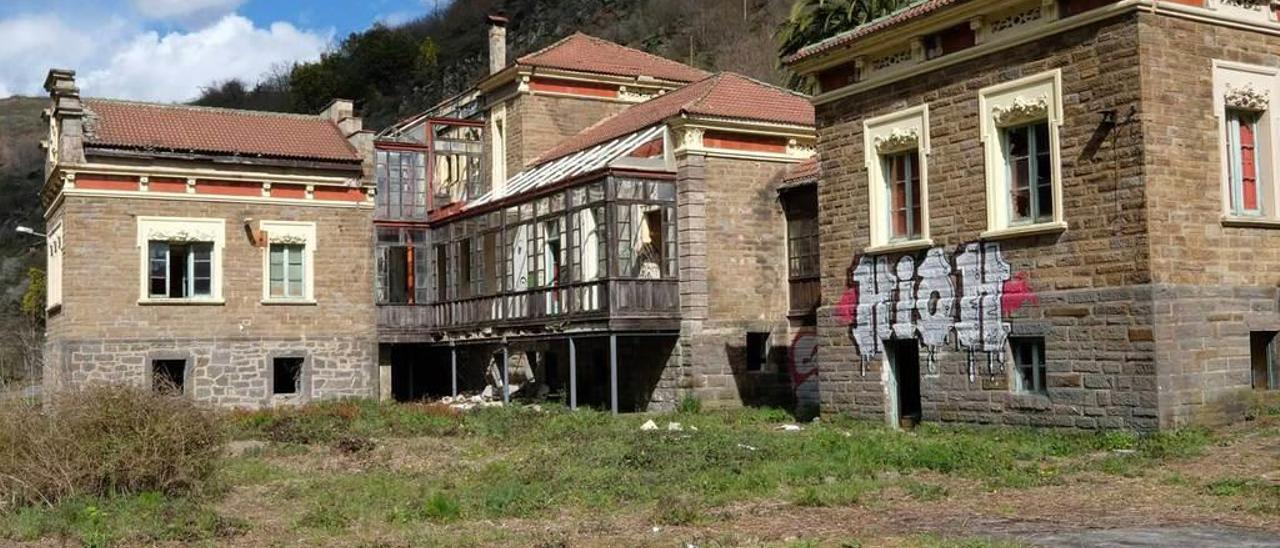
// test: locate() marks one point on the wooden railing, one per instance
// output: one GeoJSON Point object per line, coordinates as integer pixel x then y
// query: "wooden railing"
{"type": "Point", "coordinates": [599, 300]}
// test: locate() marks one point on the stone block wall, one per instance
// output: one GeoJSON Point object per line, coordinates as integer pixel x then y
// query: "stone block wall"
{"type": "Point", "coordinates": [537, 123]}
{"type": "Point", "coordinates": [733, 280]}
{"type": "Point", "coordinates": [1085, 290]}
{"type": "Point", "coordinates": [102, 332]}
{"type": "Point", "coordinates": [1215, 283]}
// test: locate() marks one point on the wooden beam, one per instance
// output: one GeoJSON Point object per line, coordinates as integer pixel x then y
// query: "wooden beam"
{"type": "Point", "coordinates": [506, 384]}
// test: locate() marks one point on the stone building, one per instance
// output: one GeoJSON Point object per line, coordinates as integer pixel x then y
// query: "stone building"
{"type": "Point", "coordinates": [589, 222]}
{"type": "Point", "coordinates": [223, 253]}
{"type": "Point", "coordinates": [1049, 212]}
{"type": "Point", "coordinates": [593, 223]}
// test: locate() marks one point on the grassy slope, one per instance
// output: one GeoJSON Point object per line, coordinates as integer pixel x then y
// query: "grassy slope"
{"type": "Point", "coordinates": [368, 474]}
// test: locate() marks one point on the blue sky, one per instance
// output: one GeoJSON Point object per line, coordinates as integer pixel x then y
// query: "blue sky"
{"type": "Point", "coordinates": [165, 50]}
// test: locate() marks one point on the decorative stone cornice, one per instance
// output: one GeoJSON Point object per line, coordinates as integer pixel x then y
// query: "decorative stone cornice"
{"type": "Point", "coordinates": [177, 234]}
{"type": "Point", "coordinates": [287, 239]}
{"type": "Point", "coordinates": [691, 137]}
{"type": "Point", "coordinates": [897, 140]}
{"type": "Point", "coordinates": [1021, 110]}
{"type": "Point", "coordinates": [1247, 98]}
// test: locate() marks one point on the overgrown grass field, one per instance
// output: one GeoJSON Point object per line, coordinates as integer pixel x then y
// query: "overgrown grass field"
{"type": "Point", "coordinates": [366, 473]}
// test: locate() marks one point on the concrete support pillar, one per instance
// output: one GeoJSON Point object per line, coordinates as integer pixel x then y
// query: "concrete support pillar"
{"type": "Point", "coordinates": [453, 369]}
{"type": "Point", "coordinates": [573, 374]}
{"type": "Point", "coordinates": [613, 373]}
{"type": "Point", "coordinates": [506, 383]}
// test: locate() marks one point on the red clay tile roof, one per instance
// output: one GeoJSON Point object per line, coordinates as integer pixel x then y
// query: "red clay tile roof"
{"type": "Point", "coordinates": [801, 172]}
{"type": "Point", "coordinates": [916, 10]}
{"type": "Point", "coordinates": [177, 128]}
{"type": "Point", "coordinates": [581, 52]}
{"type": "Point", "coordinates": [722, 95]}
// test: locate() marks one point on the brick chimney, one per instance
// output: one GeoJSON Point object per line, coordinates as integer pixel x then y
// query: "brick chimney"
{"type": "Point", "coordinates": [497, 42]}
{"type": "Point", "coordinates": [66, 116]}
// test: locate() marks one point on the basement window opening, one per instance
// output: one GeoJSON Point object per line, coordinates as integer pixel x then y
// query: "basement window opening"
{"type": "Point", "coordinates": [168, 375]}
{"type": "Point", "coordinates": [286, 375]}
{"type": "Point", "coordinates": [757, 351]}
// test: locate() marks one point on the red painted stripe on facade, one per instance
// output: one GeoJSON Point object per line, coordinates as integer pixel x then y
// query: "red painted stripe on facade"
{"type": "Point", "coordinates": [167, 185]}
{"type": "Point", "coordinates": [289, 191]}
{"type": "Point", "coordinates": [574, 88]}
{"type": "Point", "coordinates": [339, 194]}
{"type": "Point", "coordinates": [229, 188]}
{"type": "Point", "coordinates": [106, 182]}
{"type": "Point", "coordinates": [752, 143]}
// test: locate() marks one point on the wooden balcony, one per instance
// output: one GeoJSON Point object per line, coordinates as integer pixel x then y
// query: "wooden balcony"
{"type": "Point", "coordinates": [609, 305]}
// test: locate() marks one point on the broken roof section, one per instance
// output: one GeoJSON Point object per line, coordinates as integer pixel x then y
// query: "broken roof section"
{"type": "Point", "coordinates": [585, 53]}
{"type": "Point", "coordinates": [723, 95]}
{"type": "Point", "coordinates": [152, 127]}
{"type": "Point", "coordinates": [584, 161]}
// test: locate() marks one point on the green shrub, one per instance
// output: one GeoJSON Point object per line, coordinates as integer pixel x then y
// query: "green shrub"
{"type": "Point", "coordinates": [106, 440]}
{"type": "Point", "coordinates": [689, 405]}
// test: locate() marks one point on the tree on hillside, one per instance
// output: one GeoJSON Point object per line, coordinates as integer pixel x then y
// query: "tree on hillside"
{"type": "Point", "coordinates": [812, 21]}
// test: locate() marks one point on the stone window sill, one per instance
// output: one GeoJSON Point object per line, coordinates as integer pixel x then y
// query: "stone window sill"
{"type": "Point", "coordinates": [182, 302]}
{"type": "Point", "coordinates": [1056, 227]}
{"type": "Point", "coordinates": [287, 302]}
{"type": "Point", "coordinates": [1251, 222]}
{"type": "Point", "coordinates": [898, 247]}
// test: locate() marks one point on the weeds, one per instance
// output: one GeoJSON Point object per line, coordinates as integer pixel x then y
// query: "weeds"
{"type": "Point", "coordinates": [105, 441]}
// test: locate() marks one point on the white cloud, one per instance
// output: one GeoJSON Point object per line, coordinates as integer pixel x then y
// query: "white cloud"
{"type": "Point", "coordinates": [34, 43]}
{"type": "Point", "coordinates": [174, 66]}
{"type": "Point", "coordinates": [186, 10]}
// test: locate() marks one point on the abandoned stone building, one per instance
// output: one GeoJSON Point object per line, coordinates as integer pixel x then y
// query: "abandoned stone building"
{"type": "Point", "coordinates": [222, 253]}
{"type": "Point", "coordinates": [589, 223]}
{"type": "Point", "coordinates": [605, 222]}
{"type": "Point", "coordinates": [1049, 212]}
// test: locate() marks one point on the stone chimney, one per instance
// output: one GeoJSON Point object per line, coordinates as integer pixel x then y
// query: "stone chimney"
{"type": "Point", "coordinates": [497, 43]}
{"type": "Point", "coordinates": [65, 143]}
{"type": "Point", "coordinates": [342, 112]}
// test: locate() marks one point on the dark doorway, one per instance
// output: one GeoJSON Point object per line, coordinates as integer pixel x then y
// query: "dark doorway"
{"type": "Point", "coordinates": [168, 375]}
{"type": "Point", "coordinates": [904, 357]}
{"type": "Point", "coordinates": [420, 372]}
{"type": "Point", "coordinates": [1262, 359]}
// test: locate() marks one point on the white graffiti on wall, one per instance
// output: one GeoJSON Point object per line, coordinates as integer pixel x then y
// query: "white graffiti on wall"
{"type": "Point", "coordinates": [909, 300]}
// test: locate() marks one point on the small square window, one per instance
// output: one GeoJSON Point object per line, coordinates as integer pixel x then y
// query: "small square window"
{"type": "Point", "coordinates": [286, 375]}
{"type": "Point", "coordinates": [168, 375]}
{"type": "Point", "coordinates": [757, 351]}
{"type": "Point", "coordinates": [1028, 359]}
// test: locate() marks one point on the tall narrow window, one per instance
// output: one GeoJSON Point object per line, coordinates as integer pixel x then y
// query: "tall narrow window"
{"type": "Point", "coordinates": [551, 250]}
{"type": "Point", "coordinates": [464, 269]}
{"type": "Point", "coordinates": [1242, 162]}
{"type": "Point", "coordinates": [1028, 160]}
{"type": "Point", "coordinates": [180, 270]}
{"type": "Point", "coordinates": [1028, 356]}
{"type": "Point", "coordinates": [442, 273]}
{"type": "Point", "coordinates": [287, 279]}
{"type": "Point", "coordinates": [903, 178]}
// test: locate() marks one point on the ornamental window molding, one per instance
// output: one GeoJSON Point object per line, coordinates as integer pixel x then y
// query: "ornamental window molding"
{"type": "Point", "coordinates": [1247, 97]}
{"type": "Point", "coordinates": [898, 140]}
{"type": "Point", "coordinates": [1021, 110]}
{"type": "Point", "coordinates": [176, 234]}
{"type": "Point", "coordinates": [287, 239]}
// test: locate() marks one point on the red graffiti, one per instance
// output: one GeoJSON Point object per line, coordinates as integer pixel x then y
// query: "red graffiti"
{"type": "Point", "coordinates": [804, 350]}
{"type": "Point", "coordinates": [847, 308]}
{"type": "Point", "coordinates": [1017, 293]}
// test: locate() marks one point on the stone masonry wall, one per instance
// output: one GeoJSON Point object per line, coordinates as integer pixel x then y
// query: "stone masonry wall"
{"type": "Point", "coordinates": [537, 123]}
{"type": "Point", "coordinates": [103, 333]}
{"type": "Point", "coordinates": [1215, 283]}
{"type": "Point", "coordinates": [733, 279]}
{"type": "Point", "coordinates": [1085, 290]}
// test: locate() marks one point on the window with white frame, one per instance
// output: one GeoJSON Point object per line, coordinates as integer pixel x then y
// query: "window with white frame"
{"type": "Point", "coordinates": [897, 148]}
{"type": "Point", "coordinates": [181, 259]}
{"type": "Point", "coordinates": [1019, 129]}
{"type": "Point", "coordinates": [288, 261]}
{"type": "Point", "coordinates": [1242, 104]}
